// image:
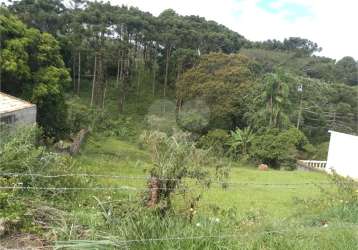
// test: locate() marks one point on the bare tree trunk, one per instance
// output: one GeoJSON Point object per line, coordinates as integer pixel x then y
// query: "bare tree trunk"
{"type": "Point", "coordinates": [77, 141]}
{"type": "Point", "coordinates": [125, 78]}
{"type": "Point", "coordinates": [154, 192]}
{"type": "Point", "coordinates": [79, 73]}
{"type": "Point", "coordinates": [153, 83]}
{"type": "Point", "coordinates": [94, 78]}
{"type": "Point", "coordinates": [73, 71]}
{"type": "Point", "coordinates": [145, 53]}
{"type": "Point", "coordinates": [99, 81]}
{"type": "Point", "coordinates": [179, 69]}
{"type": "Point", "coordinates": [179, 104]}
{"type": "Point", "coordinates": [138, 79]}
{"type": "Point", "coordinates": [334, 120]}
{"type": "Point", "coordinates": [166, 71]}
{"type": "Point", "coordinates": [121, 70]}
{"type": "Point", "coordinates": [104, 95]}
{"type": "Point", "coordinates": [271, 110]}
{"type": "Point", "coordinates": [118, 71]}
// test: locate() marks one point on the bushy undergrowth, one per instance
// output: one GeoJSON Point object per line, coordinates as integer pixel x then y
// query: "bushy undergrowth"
{"type": "Point", "coordinates": [21, 160]}
{"type": "Point", "coordinates": [21, 153]}
{"type": "Point", "coordinates": [134, 227]}
{"type": "Point", "coordinates": [279, 148]}
{"type": "Point", "coordinates": [101, 122]}
{"type": "Point", "coordinates": [338, 204]}
{"type": "Point", "coordinates": [174, 159]}
{"type": "Point", "coordinates": [216, 140]}
{"type": "Point", "coordinates": [320, 151]}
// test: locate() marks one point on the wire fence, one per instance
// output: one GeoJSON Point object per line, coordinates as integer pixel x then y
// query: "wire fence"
{"type": "Point", "coordinates": [117, 188]}
{"type": "Point", "coordinates": [144, 188]}
{"type": "Point", "coordinates": [117, 242]}
{"type": "Point", "coordinates": [146, 178]}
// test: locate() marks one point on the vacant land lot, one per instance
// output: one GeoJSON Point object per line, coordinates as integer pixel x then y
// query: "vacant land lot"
{"type": "Point", "coordinates": [273, 191]}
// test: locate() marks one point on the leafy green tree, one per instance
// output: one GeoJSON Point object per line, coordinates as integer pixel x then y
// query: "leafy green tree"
{"type": "Point", "coordinates": [216, 141]}
{"type": "Point", "coordinates": [326, 102]}
{"type": "Point", "coordinates": [32, 68]}
{"type": "Point", "coordinates": [299, 46]}
{"type": "Point", "coordinates": [103, 40]}
{"type": "Point", "coordinates": [223, 82]}
{"type": "Point", "coordinates": [170, 37]}
{"type": "Point", "coordinates": [347, 69]}
{"type": "Point", "coordinates": [272, 104]}
{"type": "Point", "coordinates": [276, 96]}
{"type": "Point", "coordinates": [278, 149]}
{"type": "Point", "coordinates": [45, 15]}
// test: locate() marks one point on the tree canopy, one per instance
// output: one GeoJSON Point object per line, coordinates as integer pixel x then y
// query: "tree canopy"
{"type": "Point", "coordinates": [32, 67]}
{"type": "Point", "coordinates": [223, 82]}
{"type": "Point", "coordinates": [244, 83]}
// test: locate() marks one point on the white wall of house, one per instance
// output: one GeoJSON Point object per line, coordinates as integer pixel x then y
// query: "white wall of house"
{"type": "Point", "coordinates": [14, 111]}
{"type": "Point", "coordinates": [343, 154]}
{"type": "Point", "coordinates": [21, 116]}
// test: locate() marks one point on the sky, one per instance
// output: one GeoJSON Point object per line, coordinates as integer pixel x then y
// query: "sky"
{"type": "Point", "coordinates": [330, 23]}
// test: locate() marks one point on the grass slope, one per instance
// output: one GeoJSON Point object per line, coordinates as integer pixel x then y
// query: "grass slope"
{"type": "Point", "coordinates": [110, 156]}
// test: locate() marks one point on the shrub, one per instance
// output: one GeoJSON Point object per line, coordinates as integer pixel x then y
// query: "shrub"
{"type": "Point", "coordinates": [162, 123]}
{"type": "Point", "coordinates": [240, 141]}
{"type": "Point", "coordinates": [20, 154]}
{"type": "Point", "coordinates": [176, 159]}
{"type": "Point", "coordinates": [295, 137]}
{"type": "Point", "coordinates": [102, 122]}
{"type": "Point", "coordinates": [278, 149]}
{"type": "Point", "coordinates": [338, 203]}
{"type": "Point", "coordinates": [193, 121]}
{"type": "Point", "coordinates": [216, 140]}
{"type": "Point", "coordinates": [79, 116]}
{"type": "Point", "coordinates": [320, 151]}
{"type": "Point", "coordinates": [122, 127]}
{"type": "Point", "coordinates": [18, 150]}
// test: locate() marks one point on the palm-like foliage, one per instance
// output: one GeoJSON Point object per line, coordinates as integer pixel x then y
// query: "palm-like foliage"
{"type": "Point", "coordinates": [276, 96]}
{"type": "Point", "coordinates": [240, 140]}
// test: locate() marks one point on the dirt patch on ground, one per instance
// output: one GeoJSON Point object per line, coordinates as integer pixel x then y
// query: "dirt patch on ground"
{"type": "Point", "coordinates": [23, 241]}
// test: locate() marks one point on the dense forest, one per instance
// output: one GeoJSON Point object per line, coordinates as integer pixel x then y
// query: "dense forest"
{"type": "Point", "coordinates": [190, 91]}
{"type": "Point", "coordinates": [49, 48]}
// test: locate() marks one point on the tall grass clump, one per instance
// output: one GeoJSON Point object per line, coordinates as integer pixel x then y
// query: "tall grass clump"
{"type": "Point", "coordinates": [24, 165]}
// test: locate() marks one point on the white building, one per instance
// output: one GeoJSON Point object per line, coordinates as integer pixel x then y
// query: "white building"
{"type": "Point", "coordinates": [16, 111]}
{"type": "Point", "coordinates": [343, 154]}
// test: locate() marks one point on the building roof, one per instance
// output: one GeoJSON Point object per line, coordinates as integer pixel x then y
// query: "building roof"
{"type": "Point", "coordinates": [340, 133]}
{"type": "Point", "coordinates": [10, 103]}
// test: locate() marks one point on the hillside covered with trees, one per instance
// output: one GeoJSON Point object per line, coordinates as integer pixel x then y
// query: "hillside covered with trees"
{"type": "Point", "coordinates": [96, 42]}
{"type": "Point", "coordinates": [182, 98]}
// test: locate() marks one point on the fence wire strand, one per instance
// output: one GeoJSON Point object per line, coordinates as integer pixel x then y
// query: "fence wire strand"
{"type": "Point", "coordinates": [85, 175]}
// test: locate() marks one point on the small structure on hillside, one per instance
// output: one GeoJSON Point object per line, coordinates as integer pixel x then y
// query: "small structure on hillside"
{"type": "Point", "coordinates": [15, 111]}
{"type": "Point", "coordinates": [343, 154]}
{"type": "Point", "coordinates": [342, 157]}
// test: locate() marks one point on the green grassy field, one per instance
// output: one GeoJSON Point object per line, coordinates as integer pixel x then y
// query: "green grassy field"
{"type": "Point", "coordinates": [248, 187]}
{"type": "Point", "coordinates": [266, 216]}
